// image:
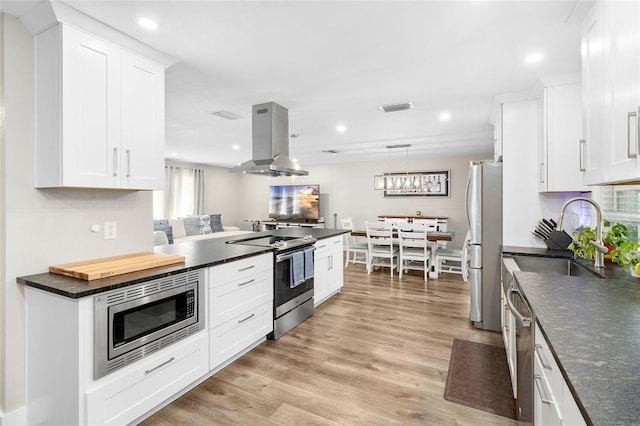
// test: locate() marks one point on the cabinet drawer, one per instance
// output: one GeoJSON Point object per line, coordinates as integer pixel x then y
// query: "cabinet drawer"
{"type": "Point", "coordinates": [233, 336]}
{"type": "Point", "coordinates": [123, 396]}
{"type": "Point", "coordinates": [546, 404]}
{"type": "Point", "coordinates": [227, 301]}
{"type": "Point", "coordinates": [547, 364]}
{"type": "Point", "coordinates": [328, 244]}
{"type": "Point", "coordinates": [239, 269]}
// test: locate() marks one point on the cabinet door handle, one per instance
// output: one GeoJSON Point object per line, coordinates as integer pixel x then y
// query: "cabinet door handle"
{"type": "Point", "coordinates": [246, 282]}
{"type": "Point", "coordinates": [158, 366]}
{"type": "Point", "coordinates": [581, 154]}
{"type": "Point", "coordinates": [541, 172]}
{"type": "Point", "coordinates": [629, 154]}
{"type": "Point", "coordinates": [115, 161]}
{"type": "Point", "coordinates": [247, 268]}
{"type": "Point", "coordinates": [543, 358]}
{"type": "Point", "coordinates": [246, 319]}
{"type": "Point", "coordinates": [542, 389]}
{"type": "Point", "coordinates": [128, 163]}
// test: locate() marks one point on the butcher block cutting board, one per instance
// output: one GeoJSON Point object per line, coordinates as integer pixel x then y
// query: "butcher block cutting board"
{"type": "Point", "coordinates": [110, 266]}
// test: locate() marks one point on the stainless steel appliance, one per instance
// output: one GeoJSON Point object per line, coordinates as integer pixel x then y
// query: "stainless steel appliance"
{"type": "Point", "coordinates": [292, 304]}
{"type": "Point", "coordinates": [484, 214]}
{"type": "Point", "coordinates": [270, 131]}
{"type": "Point", "coordinates": [524, 344]}
{"type": "Point", "coordinates": [135, 321]}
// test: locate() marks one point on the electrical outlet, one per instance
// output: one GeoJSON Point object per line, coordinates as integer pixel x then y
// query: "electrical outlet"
{"type": "Point", "coordinates": [110, 230]}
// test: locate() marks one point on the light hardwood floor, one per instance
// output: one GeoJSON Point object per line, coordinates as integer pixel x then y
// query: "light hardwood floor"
{"type": "Point", "coordinates": [376, 354]}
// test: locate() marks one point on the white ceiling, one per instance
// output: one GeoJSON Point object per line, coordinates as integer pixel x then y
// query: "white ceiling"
{"type": "Point", "coordinates": [334, 62]}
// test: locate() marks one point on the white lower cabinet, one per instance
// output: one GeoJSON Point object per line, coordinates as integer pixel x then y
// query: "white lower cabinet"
{"type": "Point", "coordinates": [328, 268]}
{"type": "Point", "coordinates": [233, 337]}
{"type": "Point", "coordinates": [122, 397]}
{"type": "Point", "coordinates": [60, 385]}
{"type": "Point", "coordinates": [553, 403]}
{"type": "Point", "coordinates": [240, 307]}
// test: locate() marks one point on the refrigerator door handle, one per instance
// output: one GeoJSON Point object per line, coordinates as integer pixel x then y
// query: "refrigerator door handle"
{"type": "Point", "coordinates": [475, 292]}
{"type": "Point", "coordinates": [475, 256]}
{"type": "Point", "coordinates": [466, 200]}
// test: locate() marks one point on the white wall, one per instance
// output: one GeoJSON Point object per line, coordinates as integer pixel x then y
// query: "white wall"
{"type": "Point", "coordinates": [46, 227]}
{"type": "Point", "coordinates": [347, 189]}
{"type": "Point", "coordinates": [523, 206]}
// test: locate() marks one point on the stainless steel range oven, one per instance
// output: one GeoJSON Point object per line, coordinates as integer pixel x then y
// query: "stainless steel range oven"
{"type": "Point", "coordinates": [293, 302]}
{"type": "Point", "coordinates": [135, 321]}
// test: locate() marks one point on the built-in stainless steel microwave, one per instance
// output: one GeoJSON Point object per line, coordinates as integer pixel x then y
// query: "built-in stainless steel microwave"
{"type": "Point", "coordinates": [135, 321]}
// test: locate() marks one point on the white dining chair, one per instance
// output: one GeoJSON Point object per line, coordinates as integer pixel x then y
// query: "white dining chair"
{"type": "Point", "coordinates": [382, 251]}
{"type": "Point", "coordinates": [357, 251]}
{"type": "Point", "coordinates": [414, 250]}
{"type": "Point", "coordinates": [454, 261]}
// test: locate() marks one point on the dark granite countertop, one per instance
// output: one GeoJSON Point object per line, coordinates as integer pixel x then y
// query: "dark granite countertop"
{"type": "Point", "coordinates": [593, 327]}
{"type": "Point", "coordinates": [198, 254]}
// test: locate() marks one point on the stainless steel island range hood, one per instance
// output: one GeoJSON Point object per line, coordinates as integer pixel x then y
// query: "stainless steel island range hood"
{"type": "Point", "coordinates": [270, 131]}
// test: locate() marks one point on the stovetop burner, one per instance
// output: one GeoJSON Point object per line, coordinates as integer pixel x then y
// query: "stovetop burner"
{"type": "Point", "coordinates": [278, 242]}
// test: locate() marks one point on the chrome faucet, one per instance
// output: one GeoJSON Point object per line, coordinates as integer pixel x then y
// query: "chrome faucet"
{"type": "Point", "coordinates": [598, 244]}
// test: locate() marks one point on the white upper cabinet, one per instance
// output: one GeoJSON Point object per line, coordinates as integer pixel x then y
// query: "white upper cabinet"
{"type": "Point", "coordinates": [611, 92]}
{"type": "Point", "coordinates": [142, 123]}
{"type": "Point", "coordinates": [560, 147]}
{"type": "Point", "coordinates": [99, 114]}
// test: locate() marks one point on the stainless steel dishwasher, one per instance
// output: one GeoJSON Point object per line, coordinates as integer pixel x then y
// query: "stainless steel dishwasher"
{"type": "Point", "coordinates": [524, 321]}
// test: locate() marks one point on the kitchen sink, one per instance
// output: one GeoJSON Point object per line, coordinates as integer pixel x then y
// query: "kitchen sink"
{"type": "Point", "coordinates": [553, 266]}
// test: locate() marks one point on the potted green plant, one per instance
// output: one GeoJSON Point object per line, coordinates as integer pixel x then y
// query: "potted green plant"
{"type": "Point", "coordinates": [616, 235]}
{"type": "Point", "coordinates": [613, 236]}
{"type": "Point", "coordinates": [627, 256]}
{"type": "Point", "coordinates": [580, 245]}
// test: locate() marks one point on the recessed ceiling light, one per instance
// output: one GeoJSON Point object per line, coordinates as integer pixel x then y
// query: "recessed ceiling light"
{"type": "Point", "coordinates": [444, 116]}
{"type": "Point", "coordinates": [534, 58]}
{"type": "Point", "coordinates": [147, 23]}
{"type": "Point", "coordinates": [341, 128]}
{"type": "Point", "coordinates": [235, 147]}
{"type": "Point", "coordinates": [174, 154]}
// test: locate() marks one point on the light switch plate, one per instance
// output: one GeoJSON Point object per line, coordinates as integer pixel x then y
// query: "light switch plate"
{"type": "Point", "coordinates": [110, 230]}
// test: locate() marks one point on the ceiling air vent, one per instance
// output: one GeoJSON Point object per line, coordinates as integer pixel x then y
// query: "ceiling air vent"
{"type": "Point", "coordinates": [225, 114]}
{"type": "Point", "coordinates": [396, 107]}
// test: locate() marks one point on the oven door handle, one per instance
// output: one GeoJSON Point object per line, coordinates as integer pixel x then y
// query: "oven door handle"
{"type": "Point", "coordinates": [283, 257]}
{"type": "Point", "coordinates": [526, 321]}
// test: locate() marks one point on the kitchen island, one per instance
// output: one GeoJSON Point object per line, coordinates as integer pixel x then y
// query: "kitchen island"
{"type": "Point", "coordinates": [94, 347]}
{"type": "Point", "coordinates": [593, 328]}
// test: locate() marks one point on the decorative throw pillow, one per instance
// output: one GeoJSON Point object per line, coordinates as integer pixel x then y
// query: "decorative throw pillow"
{"type": "Point", "coordinates": [160, 222]}
{"type": "Point", "coordinates": [168, 230]}
{"type": "Point", "coordinates": [192, 225]}
{"type": "Point", "coordinates": [216, 222]}
{"type": "Point", "coordinates": [178, 228]}
{"type": "Point", "coordinates": [204, 224]}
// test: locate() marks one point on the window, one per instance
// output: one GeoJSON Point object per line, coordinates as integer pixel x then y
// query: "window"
{"type": "Point", "coordinates": [621, 204]}
{"type": "Point", "coordinates": [183, 195]}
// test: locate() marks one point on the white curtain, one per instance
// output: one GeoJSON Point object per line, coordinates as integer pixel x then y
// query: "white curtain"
{"type": "Point", "coordinates": [183, 192]}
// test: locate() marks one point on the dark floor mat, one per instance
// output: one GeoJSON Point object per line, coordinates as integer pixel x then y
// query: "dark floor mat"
{"type": "Point", "coordinates": [478, 377]}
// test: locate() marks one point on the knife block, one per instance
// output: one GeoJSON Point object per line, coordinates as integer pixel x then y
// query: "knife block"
{"type": "Point", "coordinates": [559, 240]}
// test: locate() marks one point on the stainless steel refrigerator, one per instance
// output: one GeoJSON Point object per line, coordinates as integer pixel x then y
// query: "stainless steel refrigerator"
{"type": "Point", "coordinates": [484, 213]}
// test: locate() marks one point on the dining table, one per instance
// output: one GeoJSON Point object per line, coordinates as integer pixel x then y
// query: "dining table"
{"type": "Point", "coordinates": [433, 237]}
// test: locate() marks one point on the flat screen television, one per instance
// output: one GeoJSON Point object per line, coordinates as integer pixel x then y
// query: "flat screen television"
{"type": "Point", "coordinates": [294, 202]}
